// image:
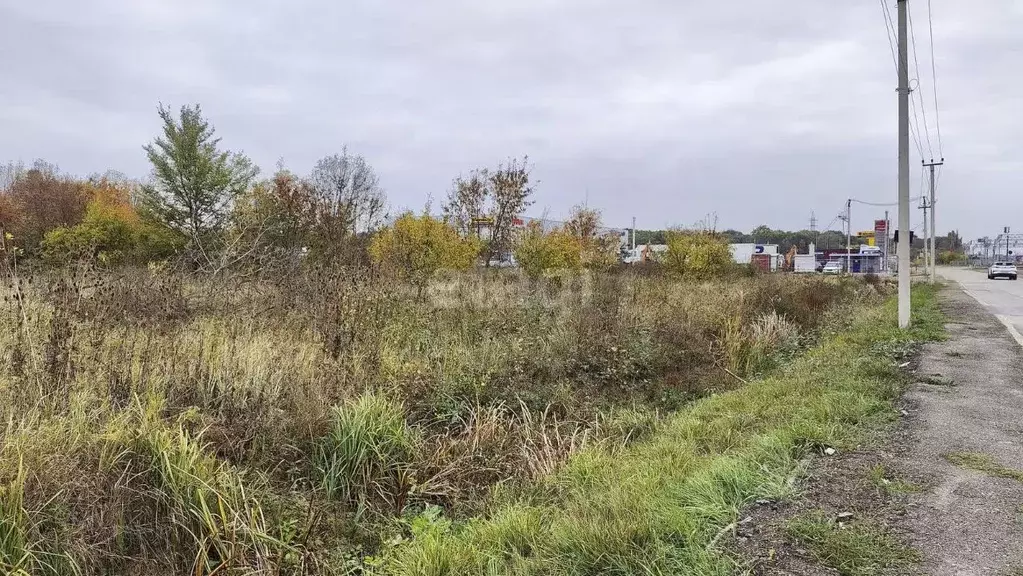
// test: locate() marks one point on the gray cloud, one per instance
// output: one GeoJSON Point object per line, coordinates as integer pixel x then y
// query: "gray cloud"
{"type": "Point", "coordinates": [663, 110]}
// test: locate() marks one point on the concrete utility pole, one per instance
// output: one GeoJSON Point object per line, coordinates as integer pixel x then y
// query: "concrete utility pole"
{"type": "Point", "coordinates": [848, 236]}
{"type": "Point", "coordinates": [903, 250]}
{"type": "Point", "coordinates": [934, 229]}
{"type": "Point", "coordinates": [924, 206]}
{"type": "Point", "coordinates": [633, 232]}
{"type": "Point", "coordinates": [887, 241]}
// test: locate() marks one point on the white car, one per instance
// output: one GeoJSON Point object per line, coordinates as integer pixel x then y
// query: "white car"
{"type": "Point", "coordinates": [833, 268]}
{"type": "Point", "coordinates": [1002, 270]}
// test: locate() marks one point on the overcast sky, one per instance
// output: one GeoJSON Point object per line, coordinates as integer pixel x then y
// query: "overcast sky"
{"type": "Point", "coordinates": [666, 110]}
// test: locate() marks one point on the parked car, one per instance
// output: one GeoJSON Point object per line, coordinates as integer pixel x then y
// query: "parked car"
{"type": "Point", "coordinates": [1002, 270]}
{"type": "Point", "coordinates": [833, 267]}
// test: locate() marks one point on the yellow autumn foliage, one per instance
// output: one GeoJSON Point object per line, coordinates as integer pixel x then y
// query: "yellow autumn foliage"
{"type": "Point", "coordinates": [416, 247]}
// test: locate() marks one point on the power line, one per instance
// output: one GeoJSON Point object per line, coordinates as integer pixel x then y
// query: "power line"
{"type": "Point", "coordinates": [884, 204]}
{"type": "Point", "coordinates": [916, 63]}
{"type": "Point", "coordinates": [888, 28]}
{"type": "Point", "coordinates": [833, 220]}
{"type": "Point", "coordinates": [934, 77]}
{"type": "Point", "coordinates": [889, 23]}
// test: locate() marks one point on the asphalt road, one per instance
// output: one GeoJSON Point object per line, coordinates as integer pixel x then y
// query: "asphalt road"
{"type": "Point", "coordinates": [1002, 298]}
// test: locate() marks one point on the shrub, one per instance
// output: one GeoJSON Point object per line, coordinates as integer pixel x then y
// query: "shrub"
{"type": "Point", "coordinates": [539, 253]}
{"type": "Point", "coordinates": [599, 251]}
{"type": "Point", "coordinates": [111, 231]}
{"type": "Point", "coordinates": [416, 247]}
{"type": "Point", "coordinates": [697, 255]}
{"type": "Point", "coordinates": [951, 257]}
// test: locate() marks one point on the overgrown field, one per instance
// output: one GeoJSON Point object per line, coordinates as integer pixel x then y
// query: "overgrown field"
{"type": "Point", "coordinates": [337, 421]}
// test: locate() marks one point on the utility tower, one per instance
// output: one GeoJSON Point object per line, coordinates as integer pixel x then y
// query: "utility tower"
{"type": "Point", "coordinates": [903, 91]}
{"type": "Point", "coordinates": [934, 230]}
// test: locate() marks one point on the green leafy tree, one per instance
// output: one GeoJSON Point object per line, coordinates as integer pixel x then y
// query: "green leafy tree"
{"type": "Point", "coordinates": [697, 254]}
{"type": "Point", "coordinates": [539, 253]}
{"type": "Point", "coordinates": [194, 182]}
{"type": "Point", "coordinates": [651, 237]}
{"type": "Point", "coordinates": [416, 247]}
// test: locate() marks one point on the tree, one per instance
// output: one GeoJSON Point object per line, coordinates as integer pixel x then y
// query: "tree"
{"type": "Point", "coordinates": [276, 215]}
{"type": "Point", "coordinates": [951, 242]}
{"type": "Point", "coordinates": [194, 182]}
{"type": "Point", "coordinates": [416, 247]}
{"type": "Point", "coordinates": [467, 200]}
{"type": "Point", "coordinates": [39, 200]}
{"type": "Point", "coordinates": [599, 250]}
{"type": "Point", "coordinates": [539, 253]}
{"type": "Point", "coordinates": [499, 196]}
{"type": "Point", "coordinates": [510, 192]}
{"type": "Point", "coordinates": [9, 174]}
{"type": "Point", "coordinates": [347, 198]}
{"type": "Point", "coordinates": [651, 237]}
{"type": "Point", "coordinates": [10, 214]}
{"type": "Point", "coordinates": [697, 254]}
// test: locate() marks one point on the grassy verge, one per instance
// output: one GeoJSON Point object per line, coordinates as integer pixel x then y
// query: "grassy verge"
{"type": "Point", "coordinates": [861, 549]}
{"type": "Point", "coordinates": [657, 507]}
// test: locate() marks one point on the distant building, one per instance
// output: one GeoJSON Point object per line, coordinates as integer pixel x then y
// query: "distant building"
{"type": "Point", "coordinates": [764, 256]}
{"type": "Point", "coordinates": [644, 253]}
{"type": "Point", "coordinates": [865, 262]}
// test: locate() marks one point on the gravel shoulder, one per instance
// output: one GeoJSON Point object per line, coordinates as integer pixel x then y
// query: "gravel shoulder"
{"type": "Point", "coordinates": [944, 484]}
{"type": "Point", "coordinates": [970, 402]}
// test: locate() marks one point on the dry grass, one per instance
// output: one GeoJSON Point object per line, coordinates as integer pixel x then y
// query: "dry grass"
{"type": "Point", "coordinates": [159, 423]}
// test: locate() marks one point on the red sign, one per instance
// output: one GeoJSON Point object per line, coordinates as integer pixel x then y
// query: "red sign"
{"type": "Point", "coordinates": [880, 226]}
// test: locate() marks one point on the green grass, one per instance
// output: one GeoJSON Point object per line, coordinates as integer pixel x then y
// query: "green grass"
{"type": "Point", "coordinates": [857, 549]}
{"type": "Point", "coordinates": [880, 478]}
{"type": "Point", "coordinates": [369, 445]}
{"type": "Point", "coordinates": [984, 463]}
{"type": "Point", "coordinates": [655, 507]}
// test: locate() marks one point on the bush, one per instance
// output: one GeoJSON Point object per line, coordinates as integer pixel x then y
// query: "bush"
{"type": "Point", "coordinates": [111, 231]}
{"type": "Point", "coordinates": [599, 251]}
{"type": "Point", "coordinates": [950, 257]}
{"type": "Point", "coordinates": [416, 247]}
{"type": "Point", "coordinates": [539, 253]}
{"type": "Point", "coordinates": [697, 255]}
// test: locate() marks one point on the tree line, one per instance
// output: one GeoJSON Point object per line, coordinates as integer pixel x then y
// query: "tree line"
{"type": "Point", "coordinates": [207, 208]}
